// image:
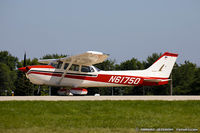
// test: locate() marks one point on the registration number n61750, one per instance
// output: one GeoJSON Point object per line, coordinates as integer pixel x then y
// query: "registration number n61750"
{"type": "Point", "coordinates": [124, 80]}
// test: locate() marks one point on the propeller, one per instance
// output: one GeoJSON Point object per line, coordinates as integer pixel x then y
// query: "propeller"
{"type": "Point", "coordinates": [24, 68]}
{"type": "Point", "coordinates": [24, 64]}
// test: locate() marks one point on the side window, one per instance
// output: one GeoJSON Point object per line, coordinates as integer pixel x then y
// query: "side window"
{"type": "Point", "coordinates": [59, 65]}
{"type": "Point", "coordinates": [53, 64]}
{"type": "Point", "coordinates": [91, 69]}
{"type": "Point", "coordinates": [66, 65]}
{"type": "Point", "coordinates": [87, 69]}
{"type": "Point", "coordinates": [74, 67]}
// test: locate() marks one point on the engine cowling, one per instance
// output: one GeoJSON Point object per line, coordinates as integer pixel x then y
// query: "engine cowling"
{"type": "Point", "coordinates": [79, 91]}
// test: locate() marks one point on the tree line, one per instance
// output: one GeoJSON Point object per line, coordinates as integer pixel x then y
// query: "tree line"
{"type": "Point", "coordinates": [185, 77]}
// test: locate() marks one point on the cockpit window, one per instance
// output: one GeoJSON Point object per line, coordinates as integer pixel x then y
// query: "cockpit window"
{"type": "Point", "coordinates": [87, 69]}
{"type": "Point", "coordinates": [74, 67]}
{"type": "Point", "coordinates": [66, 65]}
{"type": "Point", "coordinates": [59, 65]}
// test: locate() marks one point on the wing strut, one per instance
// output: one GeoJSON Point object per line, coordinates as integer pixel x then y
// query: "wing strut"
{"type": "Point", "coordinates": [70, 64]}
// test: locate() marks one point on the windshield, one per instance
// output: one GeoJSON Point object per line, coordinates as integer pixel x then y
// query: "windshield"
{"type": "Point", "coordinates": [59, 65]}
{"type": "Point", "coordinates": [97, 69]}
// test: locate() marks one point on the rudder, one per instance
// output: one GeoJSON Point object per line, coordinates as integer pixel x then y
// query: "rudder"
{"type": "Point", "coordinates": [163, 66]}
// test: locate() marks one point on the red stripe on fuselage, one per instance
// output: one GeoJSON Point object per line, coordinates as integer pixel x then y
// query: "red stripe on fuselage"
{"type": "Point", "coordinates": [116, 79]}
{"type": "Point", "coordinates": [40, 66]}
{"type": "Point", "coordinates": [45, 73]}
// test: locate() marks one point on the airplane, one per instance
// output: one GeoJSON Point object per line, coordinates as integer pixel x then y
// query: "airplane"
{"type": "Point", "coordinates": [78, 73]}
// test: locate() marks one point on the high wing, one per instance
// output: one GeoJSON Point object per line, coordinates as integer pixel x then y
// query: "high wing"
{"type": "Point", "coordinates": [47, 61]}
{"type": "Point", "coordinates": [89, 58]}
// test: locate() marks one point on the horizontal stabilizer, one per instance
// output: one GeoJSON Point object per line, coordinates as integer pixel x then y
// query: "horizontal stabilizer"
{"type": "Point", "coordinates": [156, 80]}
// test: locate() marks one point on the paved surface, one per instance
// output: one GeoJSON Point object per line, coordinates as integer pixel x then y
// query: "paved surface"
{"type": "Point", "coordinates": [91, 98]}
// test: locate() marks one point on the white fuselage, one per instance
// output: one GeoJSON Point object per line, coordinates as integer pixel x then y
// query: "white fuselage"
{"type": "Point", "coordinates": [52, 77]}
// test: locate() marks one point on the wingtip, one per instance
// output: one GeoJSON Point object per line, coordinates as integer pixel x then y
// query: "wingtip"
{"type": "Point", "coordinates": [97, 52]}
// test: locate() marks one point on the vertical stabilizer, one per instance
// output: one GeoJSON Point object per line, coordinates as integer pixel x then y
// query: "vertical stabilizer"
{"type": "Point", "coordinates": [163, 66]}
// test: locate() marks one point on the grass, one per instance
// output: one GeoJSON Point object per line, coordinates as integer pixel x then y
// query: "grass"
{"type": "Point", "coordinates": [96, 116]}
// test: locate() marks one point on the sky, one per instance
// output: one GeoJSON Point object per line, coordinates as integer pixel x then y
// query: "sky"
{"type": "Point", "coordinates": [122, 28]}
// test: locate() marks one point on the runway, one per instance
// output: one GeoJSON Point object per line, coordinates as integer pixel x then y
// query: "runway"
{"type": "Point", "coordinates": [99, 98]}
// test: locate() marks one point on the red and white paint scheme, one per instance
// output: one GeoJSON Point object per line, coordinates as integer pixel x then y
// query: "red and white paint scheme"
{"type": "Point", "coordinates": [78, 71]}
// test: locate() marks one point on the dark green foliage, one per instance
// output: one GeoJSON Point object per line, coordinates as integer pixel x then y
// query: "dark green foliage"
{"type": "Point", "coordinates": [186, 77]}
{"type": "Point", "coordinates": [8, 59]}
{"type": "Point", "coordinates": [23, 86]}
{"type": "Point", "coordinates": [151, 59]}
{"type": "Point", "coordinates": [132, 64]}
{"type": "Point", "coordinates": [106, 65]}
{"type": "Point", "coordinates": [196, 83]}
{"type": "Point", "coordinates": [7, 79]}
{"type": "Point", "coordinates": [53, 56]}
{"type": "Point", "coordinates": [29, 62]}
{"type": "Point", "coordinates": [8, 64]}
